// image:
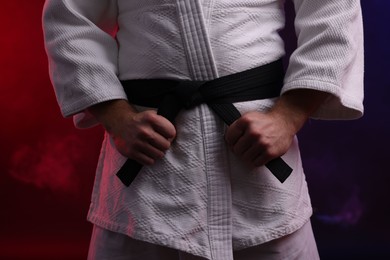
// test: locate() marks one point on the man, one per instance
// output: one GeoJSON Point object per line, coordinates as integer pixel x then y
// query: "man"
{"type": "Point", "coordinates": [205, 189]}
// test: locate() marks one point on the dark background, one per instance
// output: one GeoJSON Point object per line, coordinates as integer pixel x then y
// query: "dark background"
{"type": "Point", "coordinates": [47, 166]}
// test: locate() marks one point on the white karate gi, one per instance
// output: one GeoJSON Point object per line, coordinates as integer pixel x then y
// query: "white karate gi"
{"type": "Point", "coordinates": [200, 198]}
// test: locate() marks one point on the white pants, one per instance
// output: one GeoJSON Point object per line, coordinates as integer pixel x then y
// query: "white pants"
{"type": "Point", "coordinates": [108, 245]}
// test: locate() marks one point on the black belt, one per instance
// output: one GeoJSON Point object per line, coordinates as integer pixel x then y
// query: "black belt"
{"type": "Point", "coordinates": [170, 96]}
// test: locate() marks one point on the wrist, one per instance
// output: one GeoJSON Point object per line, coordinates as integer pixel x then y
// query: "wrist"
{"type": "Point", "coordinates": [296, 106]}
{"type": "Point", "coordinates": [111, 113]}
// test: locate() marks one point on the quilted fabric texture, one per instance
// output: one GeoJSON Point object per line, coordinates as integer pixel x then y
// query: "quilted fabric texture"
{"type": "Point", "coordinates": [200, 198]}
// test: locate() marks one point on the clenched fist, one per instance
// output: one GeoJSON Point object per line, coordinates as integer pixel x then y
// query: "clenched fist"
{"type": "Point", "coordinates": [259, 137]}
{"type": "Point", "coordinates": [141, 136]}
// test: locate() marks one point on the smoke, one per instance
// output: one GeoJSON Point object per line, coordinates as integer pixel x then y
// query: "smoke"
{"type": "Point", "coordinates": [50, 163]}
{"type": "Point", "coordinates": [335, 191]}
{"type": "Point", "coordinates": [349, 213]}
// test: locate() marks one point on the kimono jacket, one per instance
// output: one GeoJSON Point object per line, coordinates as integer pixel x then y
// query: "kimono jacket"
{"type": "Point", "coordinates": [200, 198]}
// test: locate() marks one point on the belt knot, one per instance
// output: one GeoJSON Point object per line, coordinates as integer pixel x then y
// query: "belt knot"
{"type": "Point", "coordinates": [188, 93]}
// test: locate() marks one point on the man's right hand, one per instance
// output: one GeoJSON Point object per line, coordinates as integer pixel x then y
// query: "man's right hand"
{"type": "Point", "coordinates": [141, 136]}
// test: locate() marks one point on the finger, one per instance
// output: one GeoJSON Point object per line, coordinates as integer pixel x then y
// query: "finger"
{"type": "Point", "coordinates": [158, 123]}
{"type": "Point", "coordinates": [143, 159]}
{"type": "Point", "coordinates": [164, 127]}
{"type": "Point", "coordinates": [252, 154]}
{"type": "Point", "coordinates": [262, 159]}
{"type": "Point", "coordinates": [234, 133]}
{"type": "Point", "coordinates": [159, 142]}
{"type": "Point", "coordinates": [147, 154]}
{"type": "Point", "coordinates": [242, 145]}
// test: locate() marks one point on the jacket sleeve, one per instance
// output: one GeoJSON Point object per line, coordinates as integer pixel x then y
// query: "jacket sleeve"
{"type": "Point", "coordinates": [329, 55]}
{"type": "Point", "coordinates": [82, 54]}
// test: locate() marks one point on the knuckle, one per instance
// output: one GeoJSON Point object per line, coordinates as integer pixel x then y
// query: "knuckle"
{"type": "Point", "coordinates": [272, 154]}
{"type": "Point", "coordinates": [160, 155]}
{"type": "Point", "coordinates": [268, 147]}
{"type": "Point", "coordinates": [265, 143]}
{"type": "Point", "coordinates": [173, 132]}
{"type": "Point", "coordinates": [144, 133]}
{"type": "Point", "coordinates": [154, 116]}
{"type": "Point", "coordinates": [245, 119]}
{"type": "Point", "coordinates": [254, 133]}
{"type": "Point", "coordinates": [149, 116]}
{"type": "Point", "coordinates": [166, 146]}
{"type": "Point", "coordinates": [148, 161]}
